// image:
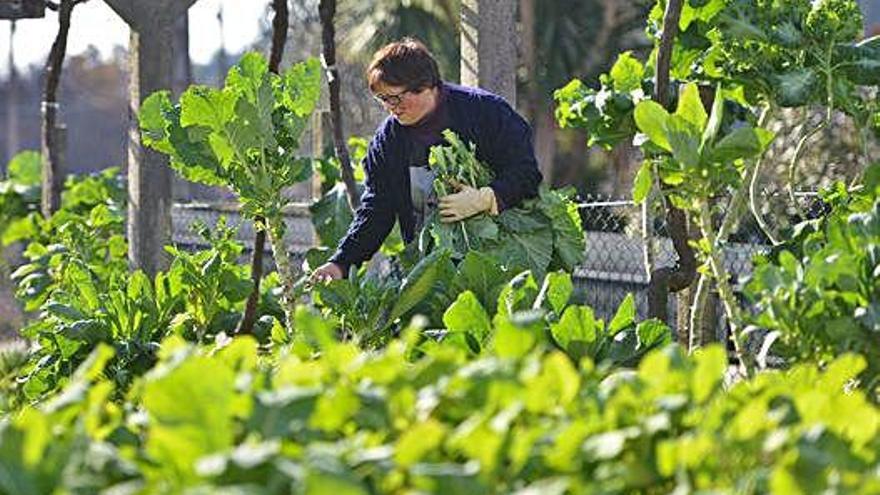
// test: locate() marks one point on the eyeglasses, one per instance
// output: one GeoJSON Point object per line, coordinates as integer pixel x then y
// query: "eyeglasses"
{"type": "Point", "coordinates": [394, 99]}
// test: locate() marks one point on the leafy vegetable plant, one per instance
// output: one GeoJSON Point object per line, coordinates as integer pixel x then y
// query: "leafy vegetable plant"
{"type": "Point", "coordinates": [243, 136]}
{"type": "Point", "coordinates": [518, 237]}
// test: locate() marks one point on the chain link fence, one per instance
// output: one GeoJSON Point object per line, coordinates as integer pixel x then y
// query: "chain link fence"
{"type": "Point", "coordinates": [615, 252]}
{"type": "Point", "coordinates": [615, 249]}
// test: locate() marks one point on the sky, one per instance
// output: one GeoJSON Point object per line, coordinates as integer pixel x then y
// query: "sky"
{"type": "Point", "coordinates": [94, 23]}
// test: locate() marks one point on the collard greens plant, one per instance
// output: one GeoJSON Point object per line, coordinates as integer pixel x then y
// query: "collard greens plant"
{"type": "Point", "coordinates": [542, 234]}
{"type": "Point", "coordinates": [820, 293]}
{"type": "Point", "coordinates": [243, 136]}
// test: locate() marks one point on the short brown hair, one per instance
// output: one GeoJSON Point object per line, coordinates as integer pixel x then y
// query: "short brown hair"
{"type": "Point", "coordinates": [404, 63]}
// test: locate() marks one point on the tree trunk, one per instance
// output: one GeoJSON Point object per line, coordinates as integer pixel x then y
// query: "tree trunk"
{"type": "Point", "coordinates": [182, 73]}
{"type": "Point", "coordinates": [488, 49]}
{"type": "Point", "coordinates": [53, 167]}
{"type": "Point", "coordinates": [538, 107]}
{"type": "Point", "coordinates": [327, 10]}
{"type": "Point", "coordinates": [665, 280]}
{"type": "Point", "coordinates": [280, 24]}
{"type": "Point", "coordinates": [149, 177]}
{"type": "Point", "coordinates": [544, 125]}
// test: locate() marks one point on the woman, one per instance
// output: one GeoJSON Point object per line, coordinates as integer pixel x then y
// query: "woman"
{"type": "Point", "coordinates": [405, 79]}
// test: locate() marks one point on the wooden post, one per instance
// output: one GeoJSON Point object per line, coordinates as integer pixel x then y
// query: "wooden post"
{"type": "Point", "coordinates": [181, 77]}
{"type": "Point", "coordinates": [149, 177]}
{"type": "Point", "coordinates": [12, 139]}
{"type": "Point", "coordinates": [488, 47]}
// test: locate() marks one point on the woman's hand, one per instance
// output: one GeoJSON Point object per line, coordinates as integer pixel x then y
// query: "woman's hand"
{"type": "Point", "coordinates": [466, 203]}
{"type": "Point", "coordinates": [327, 272]}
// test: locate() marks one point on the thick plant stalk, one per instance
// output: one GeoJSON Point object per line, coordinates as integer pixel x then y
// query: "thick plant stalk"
{"type": "Point", "coordinates": [284, 267]}
{"type": "Point", "coordinates": [725, 291]}
{"type": "Point", "coordinates": [736, 208]}
{"type": "Point", "coordinates": [280, 24]}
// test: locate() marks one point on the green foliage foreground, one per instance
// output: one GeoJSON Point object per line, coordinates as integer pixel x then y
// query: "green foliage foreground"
{"type": "Point", "coordinates": [421, 416]}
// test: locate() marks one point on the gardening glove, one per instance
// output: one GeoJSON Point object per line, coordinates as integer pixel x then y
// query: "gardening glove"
{"type": "Point", "coordinates": [467, 202]}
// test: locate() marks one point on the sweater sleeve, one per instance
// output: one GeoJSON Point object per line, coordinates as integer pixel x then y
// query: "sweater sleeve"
{"type": "Point", "coordinates": [510, 153]}
{"type": "Point", "coordinates": [375, 217]}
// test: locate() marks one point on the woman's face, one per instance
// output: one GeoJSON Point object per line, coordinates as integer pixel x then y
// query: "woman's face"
{"type": "Point", "coordinates": [408, 106]}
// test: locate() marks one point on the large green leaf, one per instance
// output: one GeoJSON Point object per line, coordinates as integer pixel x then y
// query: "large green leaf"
{"type": "Point", "coordinates": [578, 324]}
{"type": "Point", "coordinates": [517, 333]}
{"type": "Point", "coordinates": [154, 123]}
{"type": "Point", "coordinates": [684, 139]}
{"type": "Point", "coordinates": [421, 281]}
{"type": "Point", "coordinates": [206, 106]}
{"type": "Point", "coordinates": [302, 87]}
{"type": "Point", "coordinates": [25, 168]}
{"type": "Point", "coordinates": [526, 251]}
{"type": "Point", "coordinates": [568, 234]}
{"type": "Point", "coordinates": [651, 119]}
{"type": "Point", "coordinates": [521, 220]}
{"type": "Point", "coordinates": [796, 87]}
{"type": "Point", "coordinates": [643, 182]}
{"type": "Point", "coordinates": [466, 315]}
{"type": "Point", "coordinates": [191, 415]}
{"type": "Point", "coordinates": [625, 316]}
{"type": "Point", "coordinates": [743, 142]}
{"type": "Point", "coordinates": [482, 275]}
{"type": "Point", "coordinates": [191, 156]}
{"type": "Point", "coordinates": [690, 107]}
{"type": "Point", "coordinates": [627, 73]}
{"type": "Point", "coordinates": [557, 290]}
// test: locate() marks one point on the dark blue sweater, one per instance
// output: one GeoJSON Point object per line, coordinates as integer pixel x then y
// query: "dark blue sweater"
{"type": "Point", "coordinates": [504, 142]}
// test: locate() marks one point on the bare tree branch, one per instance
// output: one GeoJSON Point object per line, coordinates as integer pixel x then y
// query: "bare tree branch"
{"type": "Point", "coordinates": [280, 24]}
{"type": "Point", "coordinates": [53, 174]}
{"type": "Point", "coordinates": [327, 9]}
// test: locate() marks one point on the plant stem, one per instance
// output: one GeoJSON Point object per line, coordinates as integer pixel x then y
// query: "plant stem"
{"type": "Point", "coordinates": [735, 209]}
{"type": "Point", "coordinates": [725, 291]}
{"type": "Point", "coordinates": [753, 185]}
{"type": "Point", "coordinates": [284, 268]}
{"type": "Point", "coordinates": [792, 165]}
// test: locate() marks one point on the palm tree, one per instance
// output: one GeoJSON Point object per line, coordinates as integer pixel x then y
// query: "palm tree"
{"type": "Point", "coordinates": [566, 39]}
{"type": "Point", "coordinates": [370, 25]}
